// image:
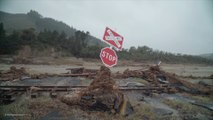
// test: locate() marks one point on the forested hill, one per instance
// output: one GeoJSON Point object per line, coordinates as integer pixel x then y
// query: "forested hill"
{"type": "Point", "coordinates": [208, 56]}
{"type": "Point", "coordinates": [34, 20]}
{"type": "Point", "coordinates": [31, 35]}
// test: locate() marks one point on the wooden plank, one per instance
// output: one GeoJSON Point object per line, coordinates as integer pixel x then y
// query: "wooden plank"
{"type": "Point", "coordinates": [77, 75]}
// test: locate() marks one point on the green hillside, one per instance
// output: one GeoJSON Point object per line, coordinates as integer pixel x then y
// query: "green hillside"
{"type": "Point", "coordinates": [42, 36]}
{"type": "Point", "coordinates": [34, 20]}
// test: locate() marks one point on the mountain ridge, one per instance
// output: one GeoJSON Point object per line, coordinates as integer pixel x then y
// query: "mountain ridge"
{"type": "Point", "coordinates": [20, 21]}
{"type": "Point", "coordinates": [52, 35]}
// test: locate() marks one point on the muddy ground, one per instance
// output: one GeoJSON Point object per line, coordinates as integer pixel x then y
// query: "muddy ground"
{"type": "Point", "coordinates": [179, 69]}
{"type": "Point", "coordinates": [176, 106]}
{"type": "Point", "coordinates": [163, 106]}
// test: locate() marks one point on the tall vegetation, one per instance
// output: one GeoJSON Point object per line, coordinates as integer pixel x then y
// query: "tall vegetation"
{"type": "Point", "coordinates": [77, 45]}
{"type": "Point", "coordinates": [144, 53]}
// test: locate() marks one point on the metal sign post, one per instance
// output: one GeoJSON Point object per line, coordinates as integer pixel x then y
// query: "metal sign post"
{"type": "Point", "coordinates": [108, 55]}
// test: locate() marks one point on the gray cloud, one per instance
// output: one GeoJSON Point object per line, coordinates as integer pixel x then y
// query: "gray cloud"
{"type": "Point", "coordinates": [178, 26]}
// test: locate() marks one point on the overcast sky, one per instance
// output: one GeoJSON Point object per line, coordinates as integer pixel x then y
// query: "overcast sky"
{"type": "Point", "coordinates": [177, 26]}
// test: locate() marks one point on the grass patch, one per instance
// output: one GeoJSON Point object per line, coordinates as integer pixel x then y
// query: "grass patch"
{"type": "Point", "coordinates": [17, 107]}
{"type": "Point", "coordinates": [33, 108]}
{"type": "Point", "coordinates": [76, 113]}
{"type": "Point", "coordinates": [204, 99]}
{"type": "Point", "coordinates": [185, 108]}
{"type": "Point", "coordinates": [142, 111]}
{"type": "Point", "coordinates": [41, 106]}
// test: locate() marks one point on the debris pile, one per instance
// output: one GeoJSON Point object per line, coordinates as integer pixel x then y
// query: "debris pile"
{"type": "Point", "coordinates": [132, 73]}
{"type": "Point", "coordinates": [22, 60]}
{"type": "Point", "coordinates": [150, 74]}
{"type": "Point", "coordinates": [81, 70]}
{"type": "Point", "coordinates": [42, 75]}
{"type": "Point", "coordinates": [95, 71]}
{"type": "Point", "coordinates": [75, 72]}
{"type": "Point", "coordinates": [171, 82]}
{"type": "Point", "coordinates": [197, 77]}
{"type": "Point", "coordinates": [13, 74]}
{"type": "Point", "coordinates": [183, 85]}
{"type": "Point", "coordinates": [103, 95]}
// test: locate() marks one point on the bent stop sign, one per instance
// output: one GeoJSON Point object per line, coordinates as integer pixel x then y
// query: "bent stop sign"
{"type": "Point", "coordinates": [108, 57]}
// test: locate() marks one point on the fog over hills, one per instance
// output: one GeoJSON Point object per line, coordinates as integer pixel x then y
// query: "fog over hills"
{"type": "Point", "coordinates": [176, 26]}
{"type": "Point", "coordinates": [35, 20]}
{"type": "Point", "coordinates": [42, 34]}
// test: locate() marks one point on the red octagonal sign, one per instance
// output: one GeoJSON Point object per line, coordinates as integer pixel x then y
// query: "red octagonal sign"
{"type": "Point", "coordinates": [108, 57]}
